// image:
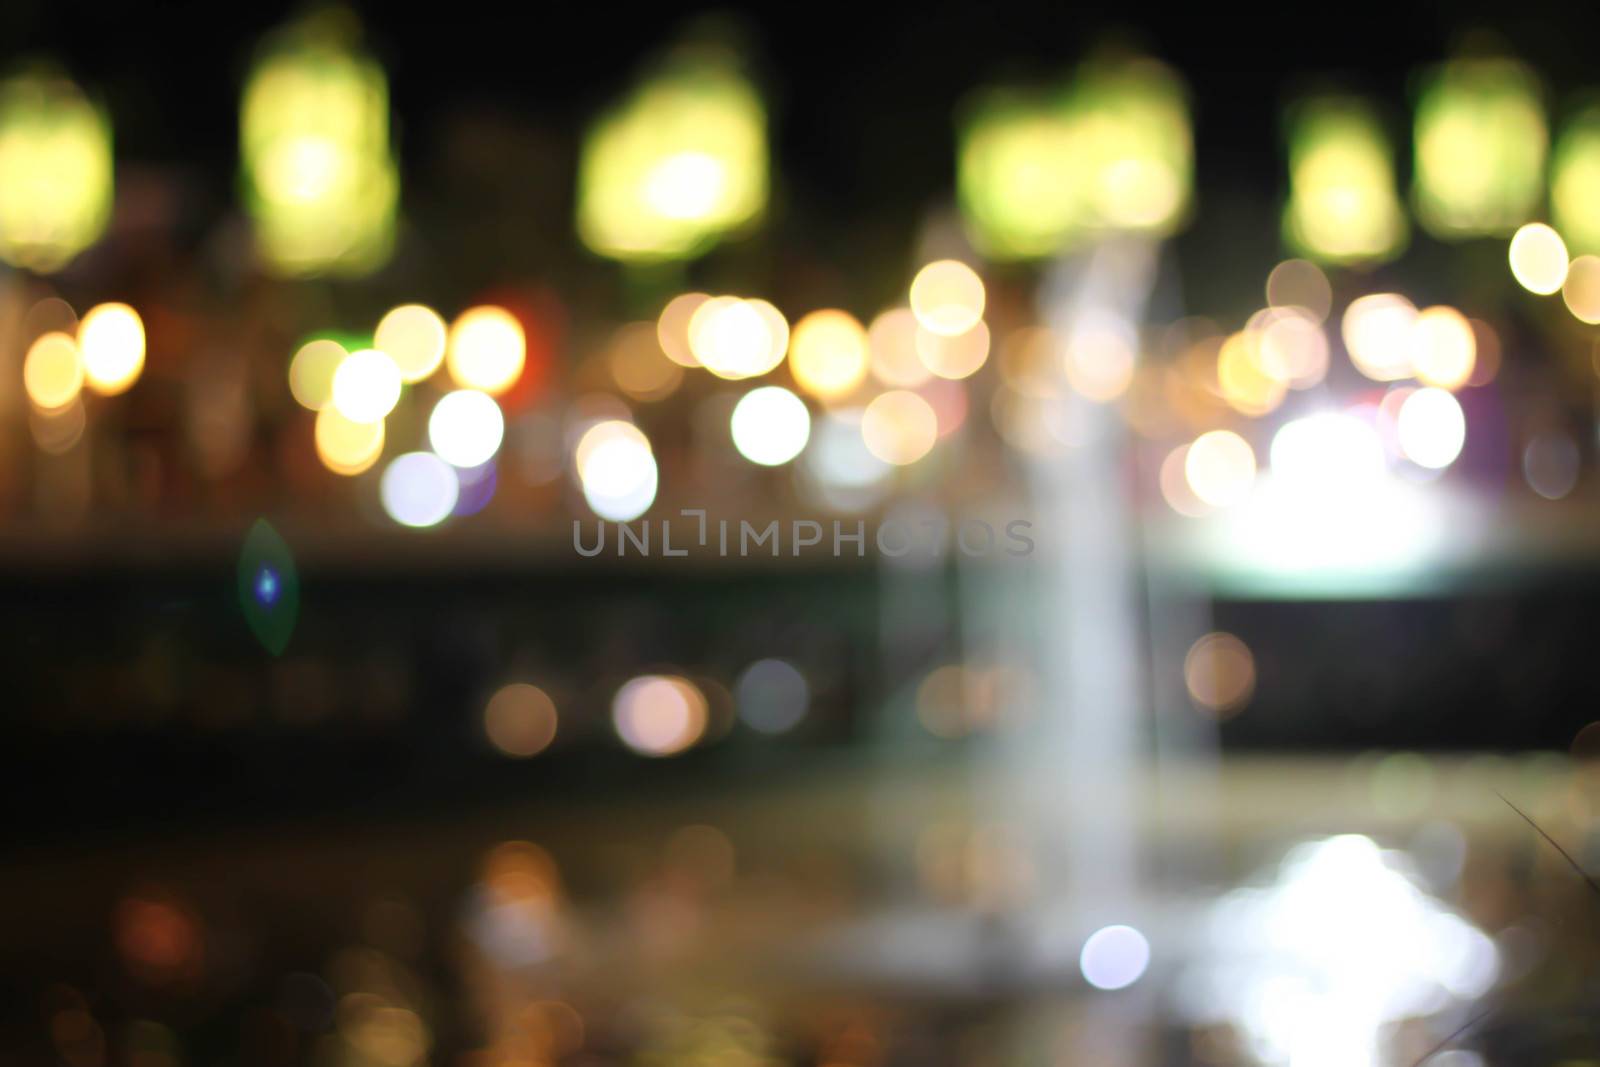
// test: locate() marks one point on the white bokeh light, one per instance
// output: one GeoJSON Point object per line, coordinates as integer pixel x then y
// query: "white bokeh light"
{"type": "Point", "coordinates": [1432, 428]}
{"type": "Point", "coordinates": [466, 428]}
{"type": "Point", "coordinates": [770, 425]}
{"type": "Point", "coordinates": [419, 489]}
{"type": "Point", "coordinates": [1114, 957]}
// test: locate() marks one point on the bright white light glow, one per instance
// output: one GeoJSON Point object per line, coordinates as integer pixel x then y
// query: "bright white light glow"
{"type": "Point", "coordinates": [1432, 428]}
{"type": "Point", "coordinates": [419, 489]}
{"type": "Point", "coordinates": [770, 425]}
{"type": "Point", "coordinates": [466, 428]}
{"type": "Point", "coordinates": [1114, 957]}
{"type": "Point", "coordinates": [366, 387]}
{"type": "Point", "coordinates": [617, 470]}
{"type": "Point", "coordinates": [1330, 453]}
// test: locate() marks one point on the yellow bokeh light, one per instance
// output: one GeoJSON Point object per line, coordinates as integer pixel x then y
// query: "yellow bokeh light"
{"type": "Point", "coordinates": [947, 296]}
{"type": "Point", "coordinates": [899, 427]}
{"type": "Point", "coordinates": [111, 343]}
{"type": "Point", "coordinates": [486, 349]}
{"type": "Point", "coordinates": [1174, 483]}
{"type": "Point", "coordinates": [828, 354]}
{"type": "Point", "coordinates": [1444, 348]}
{"type": "Point", "coordinates": [366, 386]}
{"type": "Point", "coordinates": [672, 327]}
{"type": "Point", "coordinates": [346, 447]}
{"type": "Point", "coordinates": [1538, 258]}
{"type": "Point", "coordinates": [413, 335]}
{"type": "Point", "coordinates": [953, 356]}
{"type": "Point", "coordinates": [1220, 468]}
{"type": "Point", "coordinates": [1379, 331]}
{"type": "Point", "coordinates": [1343, 206]}
{"type": "Point", "coordinates": [55, 171]}
{"type": "Point", "coordinates": [735, 338]}
{"type": "Point", "coordinates": [1574, 177]}
{"type": "Point", "coordinates": [52, 371]}
{"type": "Point", "coordinates": [1248, 382]}
{"type": "Point", "coordinates": [892, 349]}
{"type": "Point", "coordinates": [311, 372]}
{"type": "Point", "coordinates": [1581, 290]}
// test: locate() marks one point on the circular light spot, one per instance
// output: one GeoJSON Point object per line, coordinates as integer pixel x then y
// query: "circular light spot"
{"type": "Point", "coordinates": [1379, 332]}
{"type": "Point", "coordinates": [1296, 283]}
{"type": "Point", "coordinates": [311, 372]}
{"type": "Point", "coordinates": [1114, 957]}
{"type": "Point", "coordinates": [617, 470]}
{"type": "Point", "coordinates": [734, 338]}
{"type": "Point", "coordinates": [111, 342]}
{"type": "Point", "coordinates": [953, 356]}
{"type": "Point", "coordinates": [486, 350]}
{"type": "Point", "coordinates": [1538, 258]}
{"type": "Point", "coordinates": [1249, 383]}
{"type": "Point", "coordinates": [1220, 673]}
{"type": "Point", "coordinates": [1431, 428]}
{"type": "Point", "coordinates": [770, 425]}
{"type": "Point", "coordinates": [1328, 452]}
{"type": "Point", "coordinates": [672, 327]}
{"type": "Point", "coordinates": [419, 489]}
{"type": "Point", "coordinates": [347, 447]}
{"type": "Point", "coordinates": [639, 366]}
{"type": "Point", "coordinates": [520, 720]}
{"type": "Point", "coordinates": [466, 428]}
{"type": "Point", "coordinates": [413, 335]}
{"type": "Point", "coordinates": [772, 696]}
{"type": "Point", "coordinates": [1099, 360]}
{"type": "Point", "coordinates": [1175, 485]}
{"type": "Point", "coordinates": [366, 387]}
{"type": "Point", "coordinates": [1220, 468]}
{"type": "Point", "coordinates": [947, 297]}
{"type": "Point", "coordinates": [659, 715]}
{"type": "Point", "coordinates": [828, 354]}
{"type": "Point", "coordinates": [892, 349]}
{"type": "Point", "coordinates": [52, 371]}
{"type": "Point", "coordinates": [1550, 464]}
{"type": "Point", "coordinates": [1581, 289]}
{"type": "Point", "coordinates": [899, 427]}
{"type": "Point", "coordinates": [1445, 349]}
{"type": "Point", "coordinates": [1293, 347]}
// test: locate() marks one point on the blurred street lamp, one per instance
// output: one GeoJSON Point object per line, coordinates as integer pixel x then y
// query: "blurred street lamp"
{"type": "Point", "coordinates": [1112, 153]}
{"type": "Point", "coordinates": [55, 171]}
{"type": "Point", "coordinates": [1480, 148]}
{"type": "Point", "coordinates": [1342, 207]}
{"type": "Point", "coordinates": [320, 178]}
{"type": "Point", "coordinates": [675, 166]}
{"type": "Point", "coordinates": [1575, 182]}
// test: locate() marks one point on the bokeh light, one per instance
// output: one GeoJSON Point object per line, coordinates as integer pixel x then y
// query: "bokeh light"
{"type": "Point", "coordinates": [892, 349]}
{"type": "Point", "coordinates": [1219, 673]}
{"type": "Point", "coordinates": [1538, 258]}
{"type": "Point", "coordinates": [639, 366]}
{"type": "Point", "coordinates": [311, 372]}
{"type": "Point", "coordinates": [1099, 359]}
{"type": "Point", "coordinates": [772, 696]}
{"type": "Point", "coordinates": [1445, 349]}
{"type": "Point", "coordinates": [466, 428]}
{"type": "Point", "coordinates": [419, 489]}
{"type": "Point", "coordinates": [735, 338]}
{"type": "Point", "coordinates": [366, 386]}
{"type": "Point", "coordinates": [486, 349]}
{"type": "Point", "coordinates": [672, 327]}
{"type": "Point", "coordinates": [617, 470]}
{"type": "Point", "coordinates": [1581, 289]}
{"type": "Point", "coordinates": [770, 425]}
{"type": "Point", "coordinates": [1431, 428]}
{"type": "Point", "coordinates": [1220, 467]}
{"type": "Point", "coordinates": [828, 354]}
{"type": "Point", "coordinates": [111, 343]}
{"type": "Point", "coordinates": [1379, 334]}
{"type": "Point", "coordinates": [52, 371]}
{"type": "Point", "coordinates": [1343, 207]}
{"type": "Point", "coordinates": [1114, 957]}
{"type": "Point", "coordinates": [55, 171]}
{"type": "Point", "coordinates": [953, 356]}
{"type": "Point", "coordinates": [947, 297]}
{"type": "Point", "coordinates": [659, 715]}
{"type": "Point", "coordinates": [1299, 283]}
{"type": "Point", "coordinates": [899, 427]}
{"type": "Point", "coordinates": [413, 335]}
{"type": "Point", "coordinates": [520, 720]}
{"type": "Point", "coordinates": [347, 447]}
